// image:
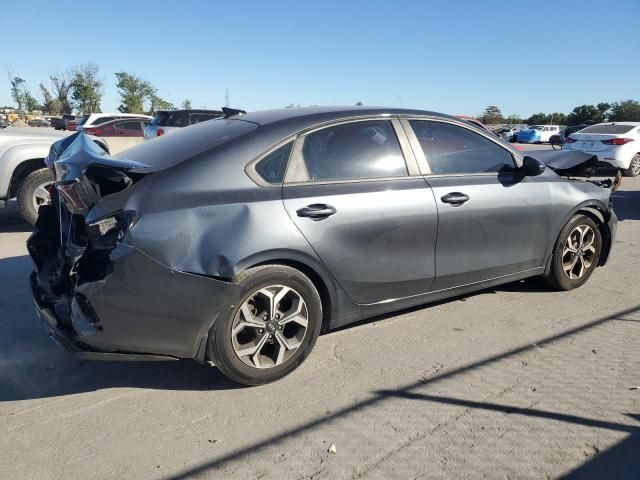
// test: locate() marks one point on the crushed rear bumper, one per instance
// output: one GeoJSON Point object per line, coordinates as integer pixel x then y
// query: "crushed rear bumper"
{"type": "Point", "coordinates": [139, 310]}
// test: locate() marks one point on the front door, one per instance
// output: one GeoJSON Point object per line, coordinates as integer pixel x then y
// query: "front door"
{"type": "Point", "coordinates": [350, 194]}
{"type": "Point", "coordinates": [492, 221]}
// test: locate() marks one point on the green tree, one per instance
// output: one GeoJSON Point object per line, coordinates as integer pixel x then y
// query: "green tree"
{"type": "Point", "coordinates": [86, 87]}
{"type": "Point", "coordinates": [557, 118]}
{"type": "Point", "coordinates": [157, 103]}
{"type": "Point", "coordinates": [18, 90]}
{"type": "Point", "coordinates": [513, 120]}
{"type": "Point", "coordinates": [625, 111]}
{"type": "Point", "coordinates": [133, 92]}
{"type": "Point", "coordinates": [588, 114]}
{"type": "Point", "coordinates": [492, 115]}
{"type": "Point", "coordinates": [30, 102]}
{"type": "Point", "coordinates": [186, 104]}
{"type": "Point", "coordinates": [537, 119]}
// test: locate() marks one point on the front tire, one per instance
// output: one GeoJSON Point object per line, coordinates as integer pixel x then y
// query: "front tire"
{"type": "Point", "coordinates": [634, 167]}
{"type": "Point", "coordinates": [273, 328]}
{"type": "Point", "coordinates": [576, 254]}
{"type": "Point", "coordinates": [32, 193]}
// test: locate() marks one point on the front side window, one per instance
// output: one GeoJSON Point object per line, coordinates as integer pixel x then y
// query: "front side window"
{"type": "Point", "coordinates": [351, 151]}
{"type": "Point", "coordinates": [451, 149]}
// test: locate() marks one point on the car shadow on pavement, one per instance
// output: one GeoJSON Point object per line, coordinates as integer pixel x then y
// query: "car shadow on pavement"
{"type": "Point", "coordinates": [626, 204]}
{"type": "Point", "coordinates": [11, 221]}
{"type": "Point", "coordinates": [621, 461]}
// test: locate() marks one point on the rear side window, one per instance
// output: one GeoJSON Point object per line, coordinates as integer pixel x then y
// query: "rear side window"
{"type": "Point", "coordinates": [272, 167]}
{"type": "Point", "coordinates": [608, 128]}
{"type": "Point", "coordinates": [351, 151]}
{"type": "Point", "coordinates": [130, 125]}
{"type": "Point", "coordinates": [451, 149]}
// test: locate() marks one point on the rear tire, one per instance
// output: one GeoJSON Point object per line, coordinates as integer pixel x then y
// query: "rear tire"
{"type": "Point", "coordinates": [634, 167]}
{"type": "Point", "coordinates": [248, 344]}
{"type": "Point", "coordinates": [576, 254]}
{"type": "Point", "coordinates": [30, 186]}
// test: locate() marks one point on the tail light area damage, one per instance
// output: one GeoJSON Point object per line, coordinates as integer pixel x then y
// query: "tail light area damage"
{"type": "Point", "coordinates": [87, 284]}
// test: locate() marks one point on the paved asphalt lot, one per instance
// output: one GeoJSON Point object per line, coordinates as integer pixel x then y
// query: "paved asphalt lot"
{"type": "Point", "coordinates": [513, 382]}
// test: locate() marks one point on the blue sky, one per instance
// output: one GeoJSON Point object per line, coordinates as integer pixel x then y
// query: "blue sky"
{"type": "Point", "coordinates": [451, 56]}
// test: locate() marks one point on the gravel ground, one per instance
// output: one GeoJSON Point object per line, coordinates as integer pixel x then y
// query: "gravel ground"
{"type": "Point", "coordinates": [513, 382]}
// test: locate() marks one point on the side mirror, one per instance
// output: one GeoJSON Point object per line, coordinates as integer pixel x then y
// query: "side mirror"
{"type": "Point", "coordinates": [532, 167]}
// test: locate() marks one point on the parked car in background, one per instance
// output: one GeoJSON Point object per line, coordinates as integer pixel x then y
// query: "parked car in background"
{"type": "Point", "coordinates": [120, 134]}
{"type": "Point", "coordinates": [93, 119]}
{"type": "Point", "coordinates": [238, 240]}
{"type": "Point", "coordinates": [60, 123]}
{"type": "Point", "coordinates": [72, 124]}
{"type": "Point", "coordinates": [38, 122]}
{"type": "Point", "coordinates": [538, 133]}
{"type": "Point", "coordinates": [616, 145]}
{"type": "Point", "coordinates": [23, 174]}
{"type": "Point", "coordinates": [557, 141]}
{"type": "Point", "coordinates": [3, 123]}
{"type": "Point", "coordinates": [165, 121]}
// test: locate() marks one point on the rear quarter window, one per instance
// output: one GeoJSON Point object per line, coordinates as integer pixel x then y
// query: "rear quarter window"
{"type": "Point", "coordinates": [273, 167]}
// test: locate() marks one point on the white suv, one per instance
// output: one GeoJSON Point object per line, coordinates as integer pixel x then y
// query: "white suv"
{"type": "Point", "coordinates": [93, 119]}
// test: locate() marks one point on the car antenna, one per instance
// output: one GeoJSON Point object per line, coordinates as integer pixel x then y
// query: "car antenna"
{"type": "Point", "coordinates": [230, 112]}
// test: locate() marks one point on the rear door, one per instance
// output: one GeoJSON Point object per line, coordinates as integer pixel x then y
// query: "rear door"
{"type": "Point", "coordinates": [127, 134]}
{"type": "Point", "coordinates": [354, 191]}
{"type": "Point", "coordinates": [492, 221]}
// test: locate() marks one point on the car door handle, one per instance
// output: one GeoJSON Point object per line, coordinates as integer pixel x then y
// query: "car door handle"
{"type": "Point", "coordinates": [455, 198]}
{"type": "Point", "coordinates": [316, 210]}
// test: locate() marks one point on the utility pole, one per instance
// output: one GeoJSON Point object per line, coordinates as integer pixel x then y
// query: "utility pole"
{"type": "Point", "coordinates": [226, 98]}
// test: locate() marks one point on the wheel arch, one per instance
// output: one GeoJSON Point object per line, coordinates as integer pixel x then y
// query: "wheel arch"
{"type": "Point", "coordinates": [21, 172]}
{"type": "Point", "coordinates": [598, 214]}
{"type": "Point", "coordinates": [320, 278]}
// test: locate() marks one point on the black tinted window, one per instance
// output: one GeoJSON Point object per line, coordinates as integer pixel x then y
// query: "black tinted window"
{"type": "Point", "coordinates": [272, 167]}
{"type": "Point", "coordinates": [608, 128]}
{"type": "Point", "coordinates": [453, 149]}
{"type": "Point", "coordinates": [203, 117]}
{"type": "Point", "coordinates": [101, 120]}
{"type": "Point", "coordinates": [176, 119]}
{"type": "Point", "coordinates": [130, 125]}
{"type": "Point", "coordinates": [356, 150]}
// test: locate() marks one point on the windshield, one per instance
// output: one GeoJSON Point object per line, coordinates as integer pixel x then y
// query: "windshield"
{"type": "Point", "coordinates": [608, 128]}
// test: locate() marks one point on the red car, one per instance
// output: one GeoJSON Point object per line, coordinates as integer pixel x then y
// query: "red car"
{"type": "Point", "coordinates": [72, 124]}
{"type": "Point", "coordinates": [120, 134]}
{"type": "Point", "coordinates": [122, 127]}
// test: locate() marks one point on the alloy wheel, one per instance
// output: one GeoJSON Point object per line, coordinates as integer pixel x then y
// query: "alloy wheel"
{"type": "Point", "coordinates": [635, 165]}
{"type": "Point", "coordinates": [41, 196]}
{"type": "Point", "coordinates": [269, 326]}
{"type": "Point", "coordinates": [579, 251]}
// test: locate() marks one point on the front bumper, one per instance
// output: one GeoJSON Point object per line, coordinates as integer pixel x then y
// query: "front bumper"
{"type": "Point", "coordinates": [139, 310]}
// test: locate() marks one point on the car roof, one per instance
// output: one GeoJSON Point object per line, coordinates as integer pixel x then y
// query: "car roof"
{"type": "Point", "coordinates": [192, 110]}
{"type": "Point", "coordinates": [123, 119]}
{"type": "Point", "coordinates": [313, 115]}
{"type": "Point", "coordinates": [633, 124]}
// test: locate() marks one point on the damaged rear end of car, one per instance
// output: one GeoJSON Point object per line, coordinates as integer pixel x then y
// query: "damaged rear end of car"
{"type": "Point", "coordinates": [96, 293]}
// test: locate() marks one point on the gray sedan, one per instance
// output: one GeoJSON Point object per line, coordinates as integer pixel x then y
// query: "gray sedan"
{"type": "Point", "coordinates": [238, 241]}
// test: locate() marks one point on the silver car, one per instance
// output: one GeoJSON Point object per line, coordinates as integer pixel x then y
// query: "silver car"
{"type": "Point", "coordinates": [238, 241]}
